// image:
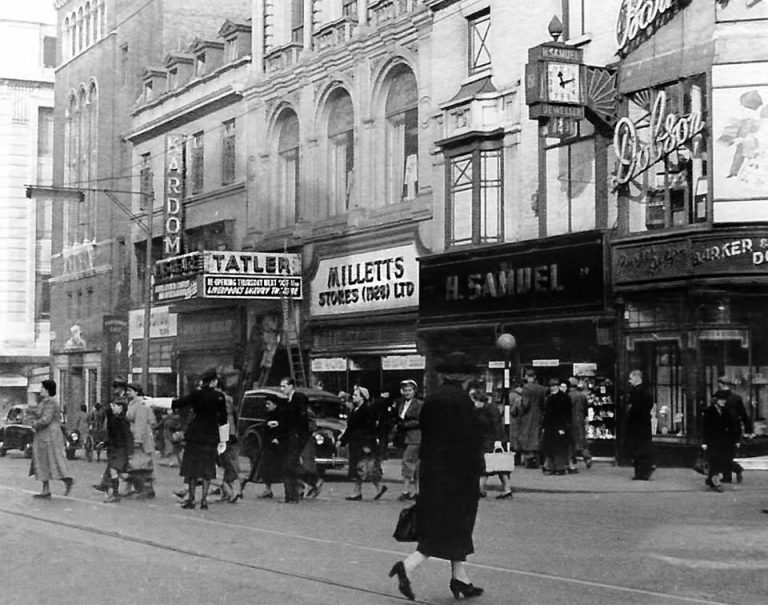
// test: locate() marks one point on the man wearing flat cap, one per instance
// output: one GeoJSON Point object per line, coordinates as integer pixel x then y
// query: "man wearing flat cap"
{"type": "Point", "coordinates": [408, 428]}
{"type": "Point", "coordinates": [736, 408]}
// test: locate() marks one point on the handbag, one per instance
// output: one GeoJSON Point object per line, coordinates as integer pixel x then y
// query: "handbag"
{"type": "Point", "coordinates": [701, 465]}
{"type": "Point", "coordinates": [368, 469]}
{"type": "Point", "coordinates": [140, 461]}
{"type": "Point", "coordinates": [406, 529]}
{"type": "Point", "coordinates": [499, 461]}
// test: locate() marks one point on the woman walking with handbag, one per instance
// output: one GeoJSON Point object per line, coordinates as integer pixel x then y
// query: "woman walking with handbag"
{"type": "Point", "coordinates": [141, 461]}
{"type": "Point", "coordinates": [48, 460]}
{"type": "Point", "coordinates": [446, 507]}
{"type": "Point", "coordinates": [361, 436]}
{"type": "Point", "coordinates": [490, 426]}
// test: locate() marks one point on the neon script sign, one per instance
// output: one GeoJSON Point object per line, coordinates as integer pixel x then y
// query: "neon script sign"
{"type": "Point", "coordinates": [637, 17]}
{"type": "Point", "coordinates": [668, 132]}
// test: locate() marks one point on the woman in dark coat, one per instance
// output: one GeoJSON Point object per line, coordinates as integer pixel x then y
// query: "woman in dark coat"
{"type": "Point", "coordinates": [205, 438]}
{"type": "Point", "coordinates": [361, 435]}
{"type": "Point", "coordinates": [274, 450]}
{"type": "Point", "coordinates": [449, 479]}
{"type": "Point", "coordinates": [556, 429]}
{"type": "Point", "coordinates": [491, 430]}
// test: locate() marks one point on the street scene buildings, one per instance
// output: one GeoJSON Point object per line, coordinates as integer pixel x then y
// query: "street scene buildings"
{"type": "Point", "coordinates": [355, 200]}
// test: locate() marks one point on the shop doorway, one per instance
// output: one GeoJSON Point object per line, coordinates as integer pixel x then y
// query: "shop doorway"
{"type": "Point", "coordinates": [661, 364]}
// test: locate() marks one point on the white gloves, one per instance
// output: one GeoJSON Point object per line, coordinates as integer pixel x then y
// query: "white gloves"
{"type": "Point", "coordinates": [497, 446]}
{"type": "Point", "coordinates": [221, 448]}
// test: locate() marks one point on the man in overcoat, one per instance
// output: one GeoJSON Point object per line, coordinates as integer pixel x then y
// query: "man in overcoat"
{"type": "Point", "coordinates": [639, 440]}
{"type": "Point", "coordinates": [297, 429]}
{"type": "Point", "coordinates": [529, 426]}
{"type": "Point", "coordinates": [578, 423]}
{"type": "Point", "coordinates": [738, 410]}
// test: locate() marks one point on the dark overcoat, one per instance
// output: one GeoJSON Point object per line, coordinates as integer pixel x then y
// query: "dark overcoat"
{"type": "Point", "coordinates": [448, 475]}
{"type": "Point", "coordinates": [202, 434]}
{"type": "Point", "coordinates": [578, 418]}
{"type": "Point", "coordinates": [361, 432]}
{"type": "Point", "coordinates": [531, 411]}
{"type": "Point", "coordinates": [275, 447]}
{"type": "Point", "coordinates": [556, 429]}
{"type": "Point", "coordinates": [638, 438]}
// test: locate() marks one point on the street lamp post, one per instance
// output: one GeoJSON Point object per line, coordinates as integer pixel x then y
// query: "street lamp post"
{"type": "Point", "coordinates": [77, 194]}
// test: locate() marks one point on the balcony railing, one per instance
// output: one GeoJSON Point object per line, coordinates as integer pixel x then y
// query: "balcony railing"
{"type": "Point", "coordinates": [334, 33]}
{"type": "Point", "coordinates": [282, 57]}
{"type": "Point", "coordinates": [381, 12]}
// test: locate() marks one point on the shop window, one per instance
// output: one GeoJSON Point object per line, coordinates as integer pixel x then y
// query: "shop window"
{"type": "Point", "coordinates": [402, 142]}
{"type": "Point", "coordinates": [228, 153]}
{"type": "Point", "coordinates": [571, 184]}
{"type": "Point", "coordinates": [479, 53]}
{"type": "Point", "coordinates": [197, 159]}
{"type": "Point", "coordinates": [672, 191]}
{"type": "Point", "coordinates": [285, 211]}
{"type": "Point", "coordinates": [341, 153]}
{"type": "Point", "coordinates": [475, 194]}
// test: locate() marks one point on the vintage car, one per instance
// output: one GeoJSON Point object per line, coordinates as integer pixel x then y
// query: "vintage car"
{"type": "Point", "coordinates": [326, 409]}
{"type": "Point", "coordinates": [16, 432]}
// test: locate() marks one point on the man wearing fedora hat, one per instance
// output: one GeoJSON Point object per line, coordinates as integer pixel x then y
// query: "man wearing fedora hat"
{"type": "Point", "coordinates": [736, 408]}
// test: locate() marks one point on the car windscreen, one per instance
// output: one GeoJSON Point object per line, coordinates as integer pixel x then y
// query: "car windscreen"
{"type": "Point", "coordinates": [255, 406]}
{"type": "Point", "coordinates": [327, 408]}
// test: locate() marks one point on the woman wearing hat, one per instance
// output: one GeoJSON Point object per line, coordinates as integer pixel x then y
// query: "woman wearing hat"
{"type": "Point", "coordinates": [48, 459]}
{"type": "Point", "coordinates": [449, 476]}
{"type": "Point", "coordinates": [360, 435]}
{"type": "Point", "coordinates": [206, 436]}
{"type": "Point", "coordinates": [407, 428]}
{"type": "Point", "coordinates": [141, 462]}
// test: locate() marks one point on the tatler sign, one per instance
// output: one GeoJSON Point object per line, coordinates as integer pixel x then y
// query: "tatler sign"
{"type": "Point", "coordinates": [370, 281]}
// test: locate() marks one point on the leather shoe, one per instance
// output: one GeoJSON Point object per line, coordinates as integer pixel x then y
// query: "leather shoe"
{"type": "Point", "coordinates": [504, 496]}
{"type": "Point", "coordinates": [382, 491]}
{"type": "Point", "coordinates": [403, 583]}
{"type": "Point", "coordinates": [43, 495]}
{"type": "Point", "coordinates": [354, 498]}
{"type": "Point", "coordinates": [189, 504]}
{"type": "Point", "coordinates": [68, 482]}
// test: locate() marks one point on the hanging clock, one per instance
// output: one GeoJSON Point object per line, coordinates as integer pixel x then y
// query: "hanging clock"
{"type": "Point", "coordinates": [563, 83]}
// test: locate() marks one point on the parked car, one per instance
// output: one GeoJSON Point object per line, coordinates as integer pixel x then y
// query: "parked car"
{"type": "Point", "coordinates": [326, 409]}
{"type": "Point", "coordinates": [16, 432]}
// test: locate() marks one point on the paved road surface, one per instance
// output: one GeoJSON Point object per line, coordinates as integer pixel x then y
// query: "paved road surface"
{"type": "Point", "coordinates": [604, 546]}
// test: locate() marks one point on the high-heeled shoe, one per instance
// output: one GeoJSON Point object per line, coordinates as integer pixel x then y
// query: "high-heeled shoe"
{"type": "Point", "coordinates": [189, 504]}
{"type": "Point", "coordinates": [203, 505]}
{"type": "Point", "coordinates": [403, 583]}
{"type": "Point", "coordinates": [459, 588]}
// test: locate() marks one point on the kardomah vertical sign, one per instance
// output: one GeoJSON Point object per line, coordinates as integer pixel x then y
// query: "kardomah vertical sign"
{"type": "Point", "coordinates": [174, 194]}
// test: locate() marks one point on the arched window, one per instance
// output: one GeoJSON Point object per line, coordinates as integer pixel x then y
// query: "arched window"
{"type": "Point", "coordinates": [92, 159]}
{"type": "Point", "coordinates": [102, 18]}
{"type": "Point", "coordinates": [65, 39]}
{"type": "Point", "coordinates": [80, 30]}
{"type": "Point", "coordinates": [286, 212]}
{"type": "Point", "coordinates": [73, 35]}
{"type": "Point", "coordinates": [97, 33]}
{"type": "Point", "coordinates": [341, 152]}
{"type": "Point", "coordinates": [70, 163]}
{"type": "Point", "coordinates": [87, 24]}
{"type": "Point", "coordinates": [402, 136]}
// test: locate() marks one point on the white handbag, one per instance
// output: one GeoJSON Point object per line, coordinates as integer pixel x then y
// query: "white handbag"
{"type": "Point", "coordinates": [499, 461]}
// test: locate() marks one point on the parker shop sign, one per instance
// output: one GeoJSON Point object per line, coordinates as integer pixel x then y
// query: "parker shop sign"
{"type": "Point", "coordinates": [370, 281]}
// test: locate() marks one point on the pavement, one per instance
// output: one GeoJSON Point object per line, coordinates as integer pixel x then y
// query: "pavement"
{"type": "Point", "coordinates": [603, 477]}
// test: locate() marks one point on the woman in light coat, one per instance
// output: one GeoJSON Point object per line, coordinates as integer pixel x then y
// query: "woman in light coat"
{"type": "Point", "coordinates": [48, 458]}
{"type": "Point", "coordinates": [141, 461]}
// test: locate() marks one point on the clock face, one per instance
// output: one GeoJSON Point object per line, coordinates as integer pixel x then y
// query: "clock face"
{"type": "Point", "coordinates": [563, 83]}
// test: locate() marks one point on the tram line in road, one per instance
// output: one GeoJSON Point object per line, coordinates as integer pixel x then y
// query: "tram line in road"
{"type": "Point", "coordinates": [121, 535]}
